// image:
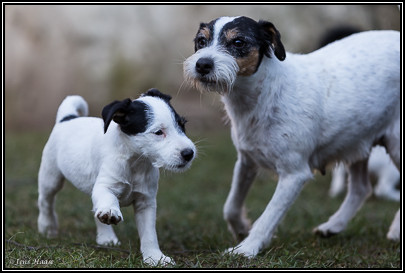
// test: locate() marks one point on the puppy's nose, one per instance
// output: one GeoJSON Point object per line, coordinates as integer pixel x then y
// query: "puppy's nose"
{"type": "Point", "coordinates": [187, 154]}
{"type": "Point", "coordinates": [204, 66]}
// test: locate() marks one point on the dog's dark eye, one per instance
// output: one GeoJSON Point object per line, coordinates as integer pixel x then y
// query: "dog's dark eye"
{"type": "Point", "coordinates": [159, 133]}
{"type": "Point", "coordinates": [238, 43]}
{"type": "Point", "coordinates": [201, 42]}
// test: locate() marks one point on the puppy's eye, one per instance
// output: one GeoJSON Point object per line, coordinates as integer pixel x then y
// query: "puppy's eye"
{"type": "Point", "coordinates": [159, 133]}
{"type": "Point", "coordinates": [238, 43]}
{"type": "Point", "coordinates": [201, 42]}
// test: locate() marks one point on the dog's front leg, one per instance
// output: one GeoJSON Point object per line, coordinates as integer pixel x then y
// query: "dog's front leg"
{"type": "Point", "coordinates": [288, 188]}
{"type": "Point", "coordinates": [234, 213]}
{"type": "Point", "coordinates": [145, 216]}
{"type": "Point", "coordinates": [105, 202]}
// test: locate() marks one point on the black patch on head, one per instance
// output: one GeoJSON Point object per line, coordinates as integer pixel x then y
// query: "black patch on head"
{"type": "Point", "coordinates": [181, 121]}
{"type": "Point", "coordinates": [200, 40]}
{"type": "Point", "coordinates": [153, 92]}
{"type": "Point", "coordinates": [69, 117]}
{"type": "Point", "coordinates": [132, 116]}
{"type": "Point", "coordinates": [248, 33]}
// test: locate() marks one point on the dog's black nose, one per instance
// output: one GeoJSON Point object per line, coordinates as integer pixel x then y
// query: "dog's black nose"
{"type": "Point", "coordinates": [204, 66]}
{"type": "Point", "coordinates": [187, 154]}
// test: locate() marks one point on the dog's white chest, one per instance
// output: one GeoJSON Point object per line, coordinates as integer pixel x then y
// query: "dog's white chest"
{"type": "Point", "coordinates": [247, 138]}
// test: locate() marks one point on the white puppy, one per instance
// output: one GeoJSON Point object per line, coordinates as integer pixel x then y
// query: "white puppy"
{"type": "Point", "coordinates": [294, 113]}
{"type": "Point", "coordinates": [114, 162]}
{"type": "Point", "coordinates": [380, 167]}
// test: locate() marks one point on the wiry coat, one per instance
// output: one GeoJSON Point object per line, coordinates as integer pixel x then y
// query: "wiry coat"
{"type": "Point", "coordinates": [294, 113]}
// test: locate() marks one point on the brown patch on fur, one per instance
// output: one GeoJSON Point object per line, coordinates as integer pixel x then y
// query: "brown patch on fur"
{"type": "Point", "coordinates": [231, 34]}
{"type": "Point", "coordinates": [247, 65]}
{"type": "Point", "coordinates": [206, 32]}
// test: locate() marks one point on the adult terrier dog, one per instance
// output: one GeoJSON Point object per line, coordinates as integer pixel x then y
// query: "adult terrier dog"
{"type": "Point", "coordinates": [293, 113]}
{"type": "Point", "coordinates": [117, 168]}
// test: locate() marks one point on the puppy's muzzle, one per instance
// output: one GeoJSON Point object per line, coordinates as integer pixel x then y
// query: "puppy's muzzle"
{"type": "Point", "coordinates": [187, 155]}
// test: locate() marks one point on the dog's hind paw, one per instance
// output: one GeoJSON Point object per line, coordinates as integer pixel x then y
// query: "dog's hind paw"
{"type": "Point", "coordinates": [109, 216]}
{"type": "Point", "coordinates": [48, 226]}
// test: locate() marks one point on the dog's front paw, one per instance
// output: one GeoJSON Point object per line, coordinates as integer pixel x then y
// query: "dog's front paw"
{"type": "Point", "coordinates": [157, 259]}
{"type": "Point", "coordinates": [244, 250]}
{"type": "Point", "coordinates": [109, 216]}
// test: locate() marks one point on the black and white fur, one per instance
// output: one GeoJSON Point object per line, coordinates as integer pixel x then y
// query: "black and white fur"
{"type": "Point", "coordinates": [116, 160]}
{"type": "Point", "coordinates": [294, 113]}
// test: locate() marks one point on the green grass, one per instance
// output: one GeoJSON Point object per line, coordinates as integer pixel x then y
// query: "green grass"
{"type": "Point", "coordinates": [189, 220]}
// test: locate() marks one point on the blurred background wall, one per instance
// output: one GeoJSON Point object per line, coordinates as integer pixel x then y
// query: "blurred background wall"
{"type": "Point", "coordinates": [108, 52]}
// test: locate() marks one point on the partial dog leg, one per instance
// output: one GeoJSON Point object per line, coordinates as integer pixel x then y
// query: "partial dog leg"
{"type": "Point", "coordinates": [395, 229]}
{"type": "Point", "coordinates": [244, 173]}
{"type": "Point", "coordinates": [145, 216]}
{"type": "Point", "coordinates": [387, 181]}
{"type": "Point", "coordinates": [105, 234]}
{"type": "Point", "coordinates": [287, 190]}
{"type": "Point", "coordinates": [393, 145]}
{"type": "Point", "coordinates": [338, 183]}
{"type": "Point", "coordinates": [359, 188]}
{"type": "Point", "coordinates": [50, 181]}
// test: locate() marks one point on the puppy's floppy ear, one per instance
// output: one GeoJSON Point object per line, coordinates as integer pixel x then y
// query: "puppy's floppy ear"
{"type": "Point", "coordinates": [116, 111]}
{"type": "Point", "coordinates": [153, 92]}
{"type": "Point", "coordinates": [272, 37]}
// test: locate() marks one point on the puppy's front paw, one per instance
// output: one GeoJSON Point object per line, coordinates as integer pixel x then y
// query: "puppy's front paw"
{"type": "Point", "coordinates": [109, 216]}
{"type": "Point", "coordinates": [107, 240]}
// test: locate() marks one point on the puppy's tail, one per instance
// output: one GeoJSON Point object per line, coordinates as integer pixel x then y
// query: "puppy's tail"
{"type": "Point", "coordinates": [72, 107]}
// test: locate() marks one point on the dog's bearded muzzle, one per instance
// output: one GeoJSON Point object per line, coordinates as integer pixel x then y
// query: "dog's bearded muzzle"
{"type": "Point", "coordinates": [211, 71]}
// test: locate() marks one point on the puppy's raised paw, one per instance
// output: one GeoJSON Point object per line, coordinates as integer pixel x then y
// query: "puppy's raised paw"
{"type": "Point", "coordinates": [109, 216]}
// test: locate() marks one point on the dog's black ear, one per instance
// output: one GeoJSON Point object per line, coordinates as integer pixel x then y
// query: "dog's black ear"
{"type": "Point", "coordinates": [117, 111]}
{"type": "Point", "coordinates": [272, 38]}
{"type": "Point", "coordinates": [153, 92]}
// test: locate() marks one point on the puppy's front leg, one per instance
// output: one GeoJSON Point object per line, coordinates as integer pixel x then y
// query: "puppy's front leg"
{"type": "Point", "coordinates": [105, 203]}
{"type": "Point", "coordinates": [145, 216]}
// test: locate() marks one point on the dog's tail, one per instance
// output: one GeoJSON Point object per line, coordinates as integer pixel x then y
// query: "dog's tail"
{"type": "Point", "coordinates": [72, 107]}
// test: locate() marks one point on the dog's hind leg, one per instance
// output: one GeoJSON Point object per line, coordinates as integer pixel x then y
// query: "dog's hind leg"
{"type": "Point", "coordinates": [359, 188]}
{"type": "Point", "coordinates": [105, 234]}
{"type": "Point", "coordinates": [50, 181]}
{"type": "Point", "coordinates": [234, 213]}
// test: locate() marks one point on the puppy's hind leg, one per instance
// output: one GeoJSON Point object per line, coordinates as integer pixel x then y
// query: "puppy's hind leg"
{"type": "Point", "coordinates": [359, 188]}
{"type": "Point", "coordinates": [234, 212]}
{"type": "Point", "coordinates": [50, 181]}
